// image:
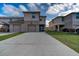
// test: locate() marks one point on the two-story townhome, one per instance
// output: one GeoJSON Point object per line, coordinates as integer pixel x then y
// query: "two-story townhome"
{"type": "Point", "coordinates": [70, 22]}
{"type": "Point", "coordinates": [31, 22]}
{"type": "Point", "coordinates": [57, 24]}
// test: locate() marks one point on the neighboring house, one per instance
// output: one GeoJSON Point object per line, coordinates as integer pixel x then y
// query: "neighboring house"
{"type": "Point", "coordinates": [56, 24]}
{"type": "Point", "coordinates": [4, 27]}
{"type": "Point", "coordinates": [4, 23]}
{"type": "Point", "coordinates": [69, 22]}
{"type": "Point", "coordinates": [31, 22]}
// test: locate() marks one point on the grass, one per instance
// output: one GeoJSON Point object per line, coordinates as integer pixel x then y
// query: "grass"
{"type": "Point", "coordinates": [9, 36]}
{"type": "Point", "coordinates": [70, 39]}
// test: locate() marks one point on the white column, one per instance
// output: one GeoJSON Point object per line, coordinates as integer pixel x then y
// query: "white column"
{"type": "Point", "coordinates": [11, 28]}
{"type": "Point", "coordinates": [58, 28]}
{"type": "Point", "coordinates": [37, 27]}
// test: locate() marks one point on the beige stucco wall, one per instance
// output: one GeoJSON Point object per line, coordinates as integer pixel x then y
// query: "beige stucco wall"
{"type": "Point", "coordinates": [28, 20]}
{"type": "Point", "coordinates": [28, 17]}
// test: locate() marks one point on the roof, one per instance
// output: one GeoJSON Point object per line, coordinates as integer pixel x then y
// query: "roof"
{"type": "Point", "coordinates": [71, 13]}
{"type": "Point", "coordinates": [31, 11]}
{"type": "Point", "coordinates": [56, 18]}
{"type": "Point", "coordinates": [11, 17]}
{"type": "Point", "coordinates": [42, 16]}
{"type": "Point", "coordinates": [64, 15]}
{"type": "Point", "coordinates": [67, 13]}
{"type": "Point", "coordinates": [1, 23]}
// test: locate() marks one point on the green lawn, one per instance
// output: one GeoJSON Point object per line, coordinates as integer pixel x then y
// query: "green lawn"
{"type": "Point", "coordinates": [70, 39]}
{"type": "Point", "coordinates": [9, 36]}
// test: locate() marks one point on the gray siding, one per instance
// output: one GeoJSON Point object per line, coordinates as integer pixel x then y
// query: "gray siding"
{"type": "Point", "coordinates": [75, 21]}
{"type": "Point", "coordinates": [68, 21]}
{"type": "Point", "coordinates": [58, 20]}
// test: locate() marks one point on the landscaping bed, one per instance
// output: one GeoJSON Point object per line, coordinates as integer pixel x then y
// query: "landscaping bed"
{"type": "Point", "coordinates": [70, 39]}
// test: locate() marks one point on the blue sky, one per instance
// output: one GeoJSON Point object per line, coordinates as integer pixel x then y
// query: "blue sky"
{"type": "Point", "coordinates": [6, 8]}
{"type": "Point", "coordinates": [51, 10]}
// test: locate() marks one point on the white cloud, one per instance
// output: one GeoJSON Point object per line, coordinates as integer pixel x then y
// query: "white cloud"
{"type": "Point", "coordinates": [47, 23]}
{"type": "Point", "coordinates": [57, 8]}
{"type": "Point", "coordinates": [52, 10]}
{"type": "Point", "coordinates": [62, 9]}
{"type": "Point", "coordinates": [72, 8]}
{"type": "Point", "coordinates": [65, 13]}
{"type": "Point", "coordinates": [23, 8]}
{"type": "Point", "coordinates": [33, 7]}
{"type": "Point", "coordinates": [10, 10]}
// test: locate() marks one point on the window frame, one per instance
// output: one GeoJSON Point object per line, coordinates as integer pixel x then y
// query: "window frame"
{"type": "Point", "coordinates": [40, 19]}
{"type": "Point", "coordinates": [33, 15]}
{"type": "Point", "coordinates": [77, 15]}
{"type": "Point", "coordinates": [62, 19]}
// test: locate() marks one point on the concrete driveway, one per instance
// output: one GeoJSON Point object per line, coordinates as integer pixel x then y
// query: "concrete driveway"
{"type": "Point", "coordinates": [34, 44]}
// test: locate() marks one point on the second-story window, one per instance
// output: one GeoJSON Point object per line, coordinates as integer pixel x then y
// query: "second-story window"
{"type": "Point", "coordinates": [77, 15]}
{"type": "Point", "coordinates": [62, 19]}
{"type": "Point", "coordinates": [40, 19]}
{"type": "Point", "coordinates": [33, 15]}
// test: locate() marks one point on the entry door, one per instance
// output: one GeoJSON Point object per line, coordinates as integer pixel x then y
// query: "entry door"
{"type": "Point", "coordinates": [31, 28]}
{"type": "Point", "coordinates": [41, 28]}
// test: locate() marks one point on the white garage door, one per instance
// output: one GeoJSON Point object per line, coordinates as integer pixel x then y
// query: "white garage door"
{"type": "Point", "coordinates": [17, 28]}
{"type": "Point", "coordinates": [32, 28]}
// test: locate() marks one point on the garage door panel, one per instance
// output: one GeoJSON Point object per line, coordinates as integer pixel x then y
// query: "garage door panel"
{"type": "Point", "coordinates": [31, 28]}
{"type": "Point", "coordinates": [17, 28]}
